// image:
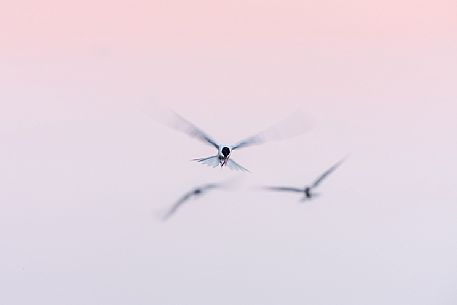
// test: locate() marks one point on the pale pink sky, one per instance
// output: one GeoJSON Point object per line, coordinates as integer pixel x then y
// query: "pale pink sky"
{"type": "Point", "coordinates": [142, 27]}
{"type": "Point", "coordinates": [84, 169]}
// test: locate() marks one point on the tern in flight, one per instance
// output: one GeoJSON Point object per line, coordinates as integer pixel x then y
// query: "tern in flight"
{"type": "Point", "coordinates": [224, 152]}
{"type": "Point", "coordinates": [308, 190]}
{"type": "Point", "coordinates": [196, 192]}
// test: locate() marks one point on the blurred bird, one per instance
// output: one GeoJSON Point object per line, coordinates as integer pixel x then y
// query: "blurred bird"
{"type": "Point", "coordinates": [225, 151]}
{"type": "Point", "coordinates": [308, 189]}
{"type": "Point", "coordinates": [196, 192]}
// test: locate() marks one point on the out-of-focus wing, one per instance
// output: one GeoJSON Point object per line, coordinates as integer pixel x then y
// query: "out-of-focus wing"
{"type": "Point", "coordinates": [287, 128]}
{"type": "Point", "coordinates": [177, 205]}
{"type": "Point", "coordinates": [235, 166]}
{"type": "Point", "coordinates": [187, 127]}
{"type": "Point", "coordinates": [210, 186]}
{"type": "Point", "coordinates": [254, 140]}
{"type": "Point", "coordinates": [210, 161]}
{"type": "Point", "coordinates": [326, 173]}
{"type": "Point", "coordinates": [284, 189]}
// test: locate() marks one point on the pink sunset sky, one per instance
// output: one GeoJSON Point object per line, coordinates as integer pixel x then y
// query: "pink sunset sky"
{"type": "Point", "coordinates": [85, 169]}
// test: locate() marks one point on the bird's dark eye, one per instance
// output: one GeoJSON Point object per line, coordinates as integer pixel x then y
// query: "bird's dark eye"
{"type": "Point", "coordinates": [225, 151]}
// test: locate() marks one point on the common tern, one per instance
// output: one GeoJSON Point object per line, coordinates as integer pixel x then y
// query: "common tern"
{"type": "Point", "coordinates": [196, 192]}
{"type": "Point", "coordinates": [224, 152]}
{"type": "Point", "coordinates": [308, 190]}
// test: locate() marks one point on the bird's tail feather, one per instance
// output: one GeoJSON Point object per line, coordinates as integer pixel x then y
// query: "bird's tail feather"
{"type": "Point", "coordinates": [210, 161]}
{"type": "Point", "coordinates": [235, 166]}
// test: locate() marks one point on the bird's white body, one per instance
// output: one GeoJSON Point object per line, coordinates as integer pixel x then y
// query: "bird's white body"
{"type": "Point", "coordinates": [224, 154]}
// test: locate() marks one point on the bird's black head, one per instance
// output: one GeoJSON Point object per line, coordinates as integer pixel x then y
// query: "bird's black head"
{"type": "Point", "coordinates": [225, 151]}
{"type": "Point", "coordinates": [308, 192]}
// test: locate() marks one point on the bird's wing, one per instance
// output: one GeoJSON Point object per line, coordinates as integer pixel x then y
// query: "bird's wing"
{"type": "Point", "coordinates": [235, 166]}
{"type": "Point", "coordinates": [187, 127]}
{"type": "Point", "coordinates": [177, 205]}
{"type": "Point", "coordinates": [284, 189]}
{"type": "Point", "coordinates": [210, 186]}
{"type": "Point", "coordinates": [289, 127]}
{"type": "Point", "coordinates": [210, 161]}
{"type": "Point", "coordinates": [253, 140]}
{"type": "Point", "coordinates": [326, 173]}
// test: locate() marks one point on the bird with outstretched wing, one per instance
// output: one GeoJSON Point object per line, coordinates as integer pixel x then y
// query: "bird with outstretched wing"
{"type": "Point", "coordinates": [224, 152]}
{"type": "Point", "coordinates": [195, 192]}
{"type": "Point", "coordinates": [307, 191]}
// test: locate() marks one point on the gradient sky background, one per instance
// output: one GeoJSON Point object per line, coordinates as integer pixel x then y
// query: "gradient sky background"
{"type": "Point", "coordinates": [85, 170]}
